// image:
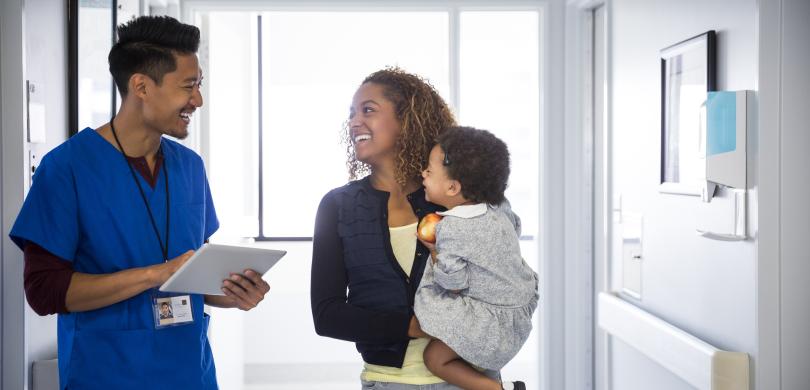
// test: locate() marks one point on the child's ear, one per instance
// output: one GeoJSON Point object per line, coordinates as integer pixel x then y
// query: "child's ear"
{"type": "Point", "coordinates": [454, 188]}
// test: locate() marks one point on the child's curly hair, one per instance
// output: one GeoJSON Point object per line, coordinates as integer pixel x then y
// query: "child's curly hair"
{"type": "Point", "coordinates": [478, 160]}
{"type": "Point", "coordinates": [421, 113]}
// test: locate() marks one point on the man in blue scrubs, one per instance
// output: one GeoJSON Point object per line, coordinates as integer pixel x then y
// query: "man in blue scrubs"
{"type": "Point", "coordinates": [113, 212]}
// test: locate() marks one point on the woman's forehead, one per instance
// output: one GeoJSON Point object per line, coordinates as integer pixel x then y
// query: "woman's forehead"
{"type": "Point", "coordinates": [370, 91]}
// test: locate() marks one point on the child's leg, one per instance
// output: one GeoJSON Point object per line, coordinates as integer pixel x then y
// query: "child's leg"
{"type": "Point", "coordinates": [443, 362]}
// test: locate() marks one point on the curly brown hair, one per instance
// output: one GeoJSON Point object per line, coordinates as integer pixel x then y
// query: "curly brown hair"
{"type": "Point", "coordinates": [478, 160]}
{"type": "Point", "coordinates": [422, 115]}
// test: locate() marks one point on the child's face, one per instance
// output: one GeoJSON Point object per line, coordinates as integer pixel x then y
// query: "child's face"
{"type": "Point", "coordinates": [434, 178]}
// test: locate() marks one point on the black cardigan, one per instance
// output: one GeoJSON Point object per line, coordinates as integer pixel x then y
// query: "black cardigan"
{"type": "Point", "coordinates": [359, 292]}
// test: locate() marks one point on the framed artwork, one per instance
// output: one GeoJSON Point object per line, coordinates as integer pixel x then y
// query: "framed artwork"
{"type": "Point", "coordinates": [688, 73]}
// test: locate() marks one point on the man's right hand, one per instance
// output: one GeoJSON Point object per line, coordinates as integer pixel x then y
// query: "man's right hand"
{"type": "Point", "coordinates": [162, 272]}
{"type": "Point", "coordinates": [94, 291]}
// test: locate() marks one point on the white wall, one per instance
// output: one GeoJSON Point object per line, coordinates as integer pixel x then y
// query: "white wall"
{"type": "Point", "coordinates": [11, 110]}
{"type": "Point", "coordinates": [45, 52]}
{"type": "Point", "coordinates": [34, 47]}
{"type": "Point", "coordinates": [705, 287]}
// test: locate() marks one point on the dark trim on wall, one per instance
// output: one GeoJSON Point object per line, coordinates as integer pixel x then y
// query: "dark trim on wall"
{"type": "Point", "coordinates": [113, 39]}
{"type": "Point", "coordinates": [73, 67]}
{"type": "Point", "coordinates": [711, 68]}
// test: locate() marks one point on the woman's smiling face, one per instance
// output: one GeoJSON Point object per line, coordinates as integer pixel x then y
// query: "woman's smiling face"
{"type": "Point", "coordinates": [373, 124]}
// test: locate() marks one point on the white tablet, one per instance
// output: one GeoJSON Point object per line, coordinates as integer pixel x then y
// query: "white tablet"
{"type": "Point", "coordinates": [204, 272]}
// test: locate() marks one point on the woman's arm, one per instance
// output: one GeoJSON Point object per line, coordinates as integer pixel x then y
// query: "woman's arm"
{"type": "Point", "coordinates": [332, 314]}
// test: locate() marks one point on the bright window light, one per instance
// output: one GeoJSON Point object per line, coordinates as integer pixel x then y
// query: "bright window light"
{"type": "Point", "coordinates": [500, 92]}
{"type": "Point", "coordinates": [95, 82]}
{"type": "Point", "coordinates": [313, 62]}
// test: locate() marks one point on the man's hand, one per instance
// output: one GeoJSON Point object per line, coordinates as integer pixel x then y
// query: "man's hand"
{"type": "Point", "coordinates": [243, 291]}
{"type": "Point", "coordinates": [94, 291]}
{"type": "Point", "coordinates": [160, 273]}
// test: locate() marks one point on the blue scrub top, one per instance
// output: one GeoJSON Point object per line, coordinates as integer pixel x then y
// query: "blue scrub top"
{"type": "Point", "coordinates": [85, 208]}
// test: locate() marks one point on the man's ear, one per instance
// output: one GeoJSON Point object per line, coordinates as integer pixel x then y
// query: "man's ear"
{"type": "Point", "coordinates": [454, 188]}
{"type": "Point", "coordinates": [139, 84]}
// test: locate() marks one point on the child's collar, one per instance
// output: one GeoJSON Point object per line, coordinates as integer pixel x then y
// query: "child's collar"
{"type": "Point", "coordinates": [466, 210]}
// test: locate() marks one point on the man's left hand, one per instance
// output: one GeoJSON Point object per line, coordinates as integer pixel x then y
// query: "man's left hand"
{"type": "Point", "coordinates": [245, 290]}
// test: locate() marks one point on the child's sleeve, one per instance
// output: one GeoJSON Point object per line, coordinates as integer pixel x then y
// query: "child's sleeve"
{"type": "Point", "coordinates": [450, 271]}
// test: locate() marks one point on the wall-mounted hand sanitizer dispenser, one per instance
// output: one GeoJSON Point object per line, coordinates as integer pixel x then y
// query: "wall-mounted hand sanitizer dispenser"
{"type": "Point", "coordinates": [726, 118]}
{"type": "Point", "coordinates": [724, 141]}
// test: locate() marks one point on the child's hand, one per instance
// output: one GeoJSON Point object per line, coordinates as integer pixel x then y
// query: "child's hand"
{"type": "Point", "coordinates": [431, 247]}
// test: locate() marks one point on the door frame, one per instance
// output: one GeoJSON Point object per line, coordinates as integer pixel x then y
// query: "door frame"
{"type": "Point", "coordinates": [587, 190]}
{"type": "Point", "coordinates": [13, 366]}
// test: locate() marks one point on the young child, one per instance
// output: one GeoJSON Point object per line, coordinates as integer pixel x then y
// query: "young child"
{"type": "Point", "coordinates": [477, 298]}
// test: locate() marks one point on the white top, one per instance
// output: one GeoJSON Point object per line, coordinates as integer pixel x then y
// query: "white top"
{"type": "Point", "coordinates": [403, 242]}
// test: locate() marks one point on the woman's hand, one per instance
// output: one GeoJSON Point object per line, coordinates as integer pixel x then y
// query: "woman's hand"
{"type": "Point", "coordinates": [414, 330]}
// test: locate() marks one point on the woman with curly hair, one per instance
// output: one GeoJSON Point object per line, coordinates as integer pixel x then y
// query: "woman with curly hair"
{"type": "Point", "coordinates": [366, 260]}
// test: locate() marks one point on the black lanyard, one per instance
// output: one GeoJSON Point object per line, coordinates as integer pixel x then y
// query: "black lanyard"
{"type": "Point", "coordinates": [164, 249]}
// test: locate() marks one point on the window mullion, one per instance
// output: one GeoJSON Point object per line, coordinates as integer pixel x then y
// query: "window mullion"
{"type": "Point", "coordinates": [455, 58]}
{"type": "Point", "coordinates": [260, 126]}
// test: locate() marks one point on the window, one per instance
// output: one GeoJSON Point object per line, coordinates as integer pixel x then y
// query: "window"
{"type": "Point", "coordinates": [308, 82]}
{"type": "Point", "coordinates": [95, 85]}
{"type": "Point", "coordinates": [506, 101]}
{"type": "Point", "coordinates": [278, 88]}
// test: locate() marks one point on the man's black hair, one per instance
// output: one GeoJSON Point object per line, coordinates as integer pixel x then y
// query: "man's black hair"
{"type": "Point", "coordinates": [147, 45]}
{"type": "Point", "coordinates": [478, 160]}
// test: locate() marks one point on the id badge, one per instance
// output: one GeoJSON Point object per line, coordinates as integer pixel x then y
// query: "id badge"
{"type": "Point", "coordinates": [171, 309]}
